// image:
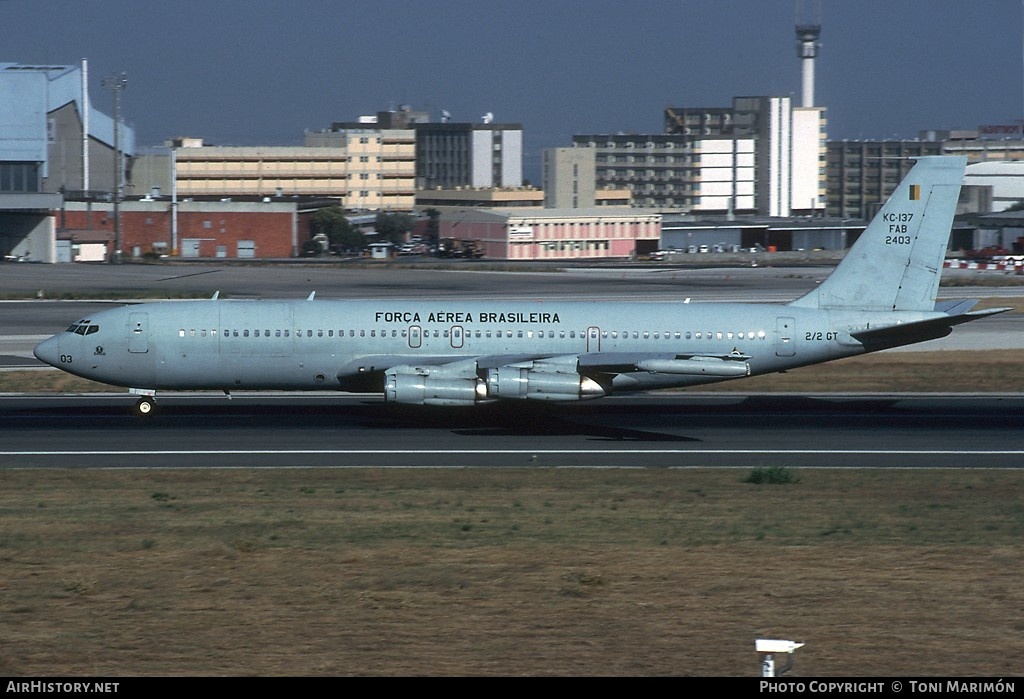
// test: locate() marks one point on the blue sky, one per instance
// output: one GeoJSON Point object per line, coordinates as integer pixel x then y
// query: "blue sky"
{"type": "Point", "coordinates": [246, 72]}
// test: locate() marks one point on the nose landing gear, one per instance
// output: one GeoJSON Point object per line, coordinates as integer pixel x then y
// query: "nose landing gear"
{"type": "Point", "coordinates": [146, 403]}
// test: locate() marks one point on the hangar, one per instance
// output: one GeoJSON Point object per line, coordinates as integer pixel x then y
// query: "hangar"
{"type": "Point", "coordinates": [53, 145]}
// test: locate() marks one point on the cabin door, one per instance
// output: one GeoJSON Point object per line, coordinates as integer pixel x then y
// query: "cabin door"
{"type": "Point", "coordinates": [138, 332]}
{"type": "Point", "coordinates": [785, 343]}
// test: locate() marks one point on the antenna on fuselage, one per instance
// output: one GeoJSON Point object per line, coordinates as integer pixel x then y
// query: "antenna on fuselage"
{"type": "Point", "coordinates": [311, 295]}
{"type": "Point", "coordinates": [216, 295]}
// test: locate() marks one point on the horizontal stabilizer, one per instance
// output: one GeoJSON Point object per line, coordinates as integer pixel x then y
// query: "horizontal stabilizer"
{"type": "Point", "coordinates": [875, 339]}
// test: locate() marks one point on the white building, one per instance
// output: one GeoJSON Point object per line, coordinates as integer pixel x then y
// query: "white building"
{"type": "Point", "coordinates": [1006, 178]}
{"type": "Point", "coordinates": [452, 155]}
{"type": "Point", "coordinates": [760, 156]}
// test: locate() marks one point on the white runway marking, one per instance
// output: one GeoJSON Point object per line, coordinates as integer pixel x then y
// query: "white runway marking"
{"type": "Point", "coordinates": [471, 452]}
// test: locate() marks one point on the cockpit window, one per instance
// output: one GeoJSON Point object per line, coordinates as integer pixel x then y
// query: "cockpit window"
{"type": "Point", "coordinates": [83, 327]}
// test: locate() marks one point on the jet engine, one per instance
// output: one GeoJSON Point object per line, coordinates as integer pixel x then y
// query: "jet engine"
{"type": "Point", "coordinates": [433, 385]}
{"type": "Point", "coordinates": [540, 382]}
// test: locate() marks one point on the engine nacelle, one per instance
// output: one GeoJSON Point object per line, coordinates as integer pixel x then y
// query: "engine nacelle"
{"type": "Point", "coordinates": [519, 382]}
{"type": "Point", "coordinates": [432, 386]}
{"type": "Point", "coordinates": [698, 366]}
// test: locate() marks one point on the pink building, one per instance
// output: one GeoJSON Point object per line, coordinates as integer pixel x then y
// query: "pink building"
{"type": "Point", "coordinates": [555, 234]}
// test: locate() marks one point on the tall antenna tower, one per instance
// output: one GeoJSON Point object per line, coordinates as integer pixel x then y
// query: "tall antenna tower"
{"type": "Point", "coordinates": [808, 29]}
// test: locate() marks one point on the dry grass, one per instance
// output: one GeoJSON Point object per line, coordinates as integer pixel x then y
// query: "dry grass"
{"type": "Point", "coordinates": [508, 572]}
{"type": "Point", "coordinates": [953, 372]}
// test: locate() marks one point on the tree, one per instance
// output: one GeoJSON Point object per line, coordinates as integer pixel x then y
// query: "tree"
{"type": "Point", "coordinates": [433, 225]}
{"type": "Point", "coordinates": [338, 229]}
{"type": "Point", "coordinates": [393, 228]}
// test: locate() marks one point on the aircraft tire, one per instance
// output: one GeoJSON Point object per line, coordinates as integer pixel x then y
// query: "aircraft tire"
{"type": "Point", "coordinates": [145, 406]}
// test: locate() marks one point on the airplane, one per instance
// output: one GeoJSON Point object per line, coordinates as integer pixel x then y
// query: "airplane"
{"type": "Point", "coordinates": [453, 352]}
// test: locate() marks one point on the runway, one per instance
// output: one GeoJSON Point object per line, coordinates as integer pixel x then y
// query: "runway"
{"type": "Point", "coordinates": [688, 430]}
{"type": "Point", "coordinates": [337, 430]}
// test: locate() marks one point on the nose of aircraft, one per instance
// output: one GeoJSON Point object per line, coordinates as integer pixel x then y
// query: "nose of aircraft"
{"type": "Point", "coordinates": [48, 351]}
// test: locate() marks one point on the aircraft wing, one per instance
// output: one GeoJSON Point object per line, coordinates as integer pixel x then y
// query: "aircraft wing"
{"type": "Point", "coordinates": [591, 364]}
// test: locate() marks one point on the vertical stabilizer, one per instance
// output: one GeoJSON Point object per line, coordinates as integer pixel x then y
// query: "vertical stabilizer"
{"type": "Point", "coordinates": [896, 263]}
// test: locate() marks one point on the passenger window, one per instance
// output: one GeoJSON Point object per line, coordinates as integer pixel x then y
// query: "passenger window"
{"type": "Point", "coordinates": [181, 333]}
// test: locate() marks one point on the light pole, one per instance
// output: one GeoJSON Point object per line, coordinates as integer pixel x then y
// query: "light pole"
{"type": "Point", "coordinates": [116, 83]}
